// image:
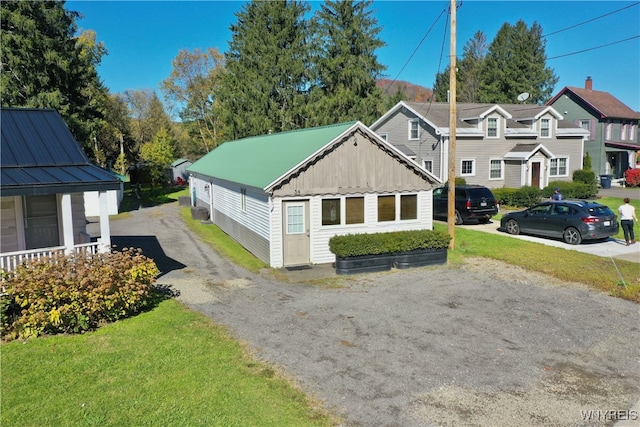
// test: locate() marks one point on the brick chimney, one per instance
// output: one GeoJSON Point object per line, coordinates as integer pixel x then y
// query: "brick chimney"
{"type": "Point", "coordinates": [588, 84]}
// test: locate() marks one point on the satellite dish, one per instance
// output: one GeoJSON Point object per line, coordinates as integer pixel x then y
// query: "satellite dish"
{"type": "Point", "coordinates": [523, 96]}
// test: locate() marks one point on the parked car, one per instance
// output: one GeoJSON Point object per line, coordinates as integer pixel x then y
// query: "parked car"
{"type": "Point", "coordinates": [572, 221]}
{"type": "Point", "coordinates": [473, 202]}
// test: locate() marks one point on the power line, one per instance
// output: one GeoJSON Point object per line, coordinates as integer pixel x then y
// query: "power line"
{"type": "Point", "coordinates": [594, 48]}
{"type": "Point", "coordinates": [414, 52]}
{"type": "Point", "coordinates": [590, 20]}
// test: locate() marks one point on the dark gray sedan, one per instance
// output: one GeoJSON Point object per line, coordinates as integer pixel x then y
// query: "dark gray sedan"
{"type": "Point", "coordinates": [569, 220]}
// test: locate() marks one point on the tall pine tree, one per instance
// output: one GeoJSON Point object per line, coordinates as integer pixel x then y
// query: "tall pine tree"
{"type": "Point", "coordinates": [44, 65]}
{"type": "Point", "coordinates": [265, 85]}
{"type": "Point", "coordinates": [469, 76]}
{"type": "Point", "coordinates": [516, 63]}
{"type": "Point", "coordinates": [346, 64]}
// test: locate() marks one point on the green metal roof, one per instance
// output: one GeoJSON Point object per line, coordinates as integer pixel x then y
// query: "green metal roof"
{"type": "Point", "coordinates": [260, 160]}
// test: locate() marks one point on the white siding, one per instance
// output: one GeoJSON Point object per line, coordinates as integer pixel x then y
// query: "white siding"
{"type": "Point", "coordinates": [320, 235]}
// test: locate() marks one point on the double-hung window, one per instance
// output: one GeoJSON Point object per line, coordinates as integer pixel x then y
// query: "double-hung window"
{"type": "Point", "coordinates": [467, 167]}
{"type": "Point", "coordinates": [558, 167]}
{"type": "Point", "coordinates": [545, 128]}
{"type": "Point", "coordinates": [414, 130]}
{"type": "Point", "coordinates": [495, 171]}
{"type": "Point", "coordinates": [492, 127]}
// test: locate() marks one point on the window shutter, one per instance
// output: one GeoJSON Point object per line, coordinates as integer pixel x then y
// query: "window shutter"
{"type": "Point", "coordinates": [592, 129]}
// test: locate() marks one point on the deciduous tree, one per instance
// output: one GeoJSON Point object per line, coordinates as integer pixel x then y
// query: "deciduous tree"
{"type": "Point", "coordinates": [192, 88]}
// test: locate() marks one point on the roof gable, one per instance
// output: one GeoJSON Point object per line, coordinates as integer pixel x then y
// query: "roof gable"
{"type": "Point", "coordinates": [603, 104]}
{"type": "Point", "coordinates": [260, 160]}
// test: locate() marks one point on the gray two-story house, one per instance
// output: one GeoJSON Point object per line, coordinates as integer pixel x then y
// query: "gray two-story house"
{"type": "Point", "coordinates": [612, 141]}
{"type": "Point", "coordinates": [496, 145]}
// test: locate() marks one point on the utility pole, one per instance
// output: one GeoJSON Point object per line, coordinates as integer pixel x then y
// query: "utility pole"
{"type": "Point", "coordinates": [451, 199]}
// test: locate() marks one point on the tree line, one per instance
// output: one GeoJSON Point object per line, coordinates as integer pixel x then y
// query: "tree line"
{"type": "Point", "coordinates": [286, 68]}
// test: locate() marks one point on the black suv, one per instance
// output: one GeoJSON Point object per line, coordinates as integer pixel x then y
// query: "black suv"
{"type": "Point", "coordinates": [473, 202]}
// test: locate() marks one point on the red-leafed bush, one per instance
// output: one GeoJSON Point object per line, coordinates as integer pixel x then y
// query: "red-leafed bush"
{"type": "Point", "coordinates": [632, 177]}
{"type": "Point", "coordinates": [75, 293]}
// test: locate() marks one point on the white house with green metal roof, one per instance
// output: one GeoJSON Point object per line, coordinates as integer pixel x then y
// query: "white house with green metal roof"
{"type": "Point", "coordinates": [283, 196]}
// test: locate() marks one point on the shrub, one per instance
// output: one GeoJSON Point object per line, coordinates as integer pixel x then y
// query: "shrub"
{"type": "Point", "coordinates": [632, 177]}
{"type": "Point", "coordinates": [390, 242]}
{"type": "Point", "coordinates": [586, 162]}
{"type": "Point", "coordinates": [460, 181]}
{"type": "Point", "coordinates": [75, 293]}
{"type": "Point", "coordinates": [572, 190]}
{"type": "Point", "coordinates": [584, 176]}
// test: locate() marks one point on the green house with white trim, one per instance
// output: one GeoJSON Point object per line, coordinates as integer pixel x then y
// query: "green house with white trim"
{"type": "Point", "coordinates": [283, 196]}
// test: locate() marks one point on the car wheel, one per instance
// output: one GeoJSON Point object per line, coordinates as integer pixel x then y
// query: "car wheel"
{"type": "Point", "coordinates": [572, 236]}
{"type": "Point", "coordinates": [513, 227]}
{"type": "Point", "coordinates": [458, 218]}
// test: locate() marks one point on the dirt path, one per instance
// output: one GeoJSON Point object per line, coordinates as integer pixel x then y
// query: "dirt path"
{"type": "Point", "coordinates": [483, 344]}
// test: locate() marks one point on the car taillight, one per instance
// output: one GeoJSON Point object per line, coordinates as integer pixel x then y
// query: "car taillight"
{"type": "Point", "coordinates": [590, 220]}
{"type": "Point", "coordinates": [468, 204]}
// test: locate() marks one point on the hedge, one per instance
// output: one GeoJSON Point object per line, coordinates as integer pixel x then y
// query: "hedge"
{"type": "Point", "coordinates": [389, 242]}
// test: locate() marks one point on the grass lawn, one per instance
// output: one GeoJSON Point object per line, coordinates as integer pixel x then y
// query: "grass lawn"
{"type": "Point", "coordinates": [169, 366]}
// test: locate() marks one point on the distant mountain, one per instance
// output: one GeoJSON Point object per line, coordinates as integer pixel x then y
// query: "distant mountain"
{"type": "Point", "coordinates": [412, 92]}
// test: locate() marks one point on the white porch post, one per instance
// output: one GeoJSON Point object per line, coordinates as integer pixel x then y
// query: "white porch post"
{"type": "Point", "coordinates": [67, 223]}
{"type": "Point", "coordinates": [105, 233]}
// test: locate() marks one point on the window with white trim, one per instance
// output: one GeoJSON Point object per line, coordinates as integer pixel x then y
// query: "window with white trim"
{"type": "Point", "coordinates": [428, 165]}
{"type": "Point", "coordinates": [414, 130]}
{"type": "Point", "coordinates": [495, 169]}
{"type": "Point", "coordinates": [492, 127]}
{"type": "Point", "coordinates": [467, 167]}
{"type": "Point", "coordinates": [558, 167]}
{"type": "Point", "coordinates": [408, 206]}
{"type": "Point", "coordinates": [384, 136]}
{"type": "Point", "coordinates": [545, 128]}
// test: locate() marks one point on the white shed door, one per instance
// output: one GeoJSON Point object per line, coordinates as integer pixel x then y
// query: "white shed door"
{"type": "Point", "coordinates": [296, 233]}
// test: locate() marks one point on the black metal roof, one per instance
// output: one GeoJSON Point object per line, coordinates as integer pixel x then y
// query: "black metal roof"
{"type": "Point", "coordinates": [39, 155]}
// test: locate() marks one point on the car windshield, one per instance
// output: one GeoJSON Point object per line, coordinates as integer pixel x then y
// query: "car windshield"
{"type": "Point", "coordinates": [600, 211]}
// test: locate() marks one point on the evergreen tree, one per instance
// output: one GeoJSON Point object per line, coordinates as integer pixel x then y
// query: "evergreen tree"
{"type": "Point", "coordinates": [469, 74]}
{"type": "Point", "coordinates": [264, 88]}
{"type": "Point", "coordinates": [516, 63]}
{"type": "Point", "coordinates": [346, 64]}
{"type": "Point", "coordinates": [44, 65]}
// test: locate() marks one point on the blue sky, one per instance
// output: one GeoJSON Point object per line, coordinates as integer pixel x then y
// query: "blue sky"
{"type": "Point", "coordinates": [143, 37]}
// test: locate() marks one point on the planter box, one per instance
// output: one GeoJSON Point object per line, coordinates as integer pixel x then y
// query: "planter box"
{"type": "Point", "coordinates": [363, 264]}
{"type": "Point", "coordinates": [420, 258]}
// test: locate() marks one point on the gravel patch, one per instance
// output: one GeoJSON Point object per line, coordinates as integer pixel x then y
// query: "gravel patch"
{"type": "Point", "coordinates": [484, 343]}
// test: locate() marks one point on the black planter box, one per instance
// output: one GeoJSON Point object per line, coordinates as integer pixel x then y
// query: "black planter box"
{"type": "Point", "coordinates": [363, 264]}
{"type": "Point", "coordinates": [420, 258]}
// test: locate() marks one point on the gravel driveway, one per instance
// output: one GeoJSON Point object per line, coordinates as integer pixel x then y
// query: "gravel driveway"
{"type": "Point", "coordinates": [480, 344]}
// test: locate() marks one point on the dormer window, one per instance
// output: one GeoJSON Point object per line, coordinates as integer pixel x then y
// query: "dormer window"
{"type": "Point", "coordinates": [545, 128]}
{"type": "Point", "coordinates": [492, 127]}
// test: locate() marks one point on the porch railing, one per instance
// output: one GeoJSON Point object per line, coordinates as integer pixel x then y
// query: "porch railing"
{"type": "Point", "coordinates": [10, 260]}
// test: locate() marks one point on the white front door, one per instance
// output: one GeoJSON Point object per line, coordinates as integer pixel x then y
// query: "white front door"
{"type": "Point", "coordinates": [295, 228]}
